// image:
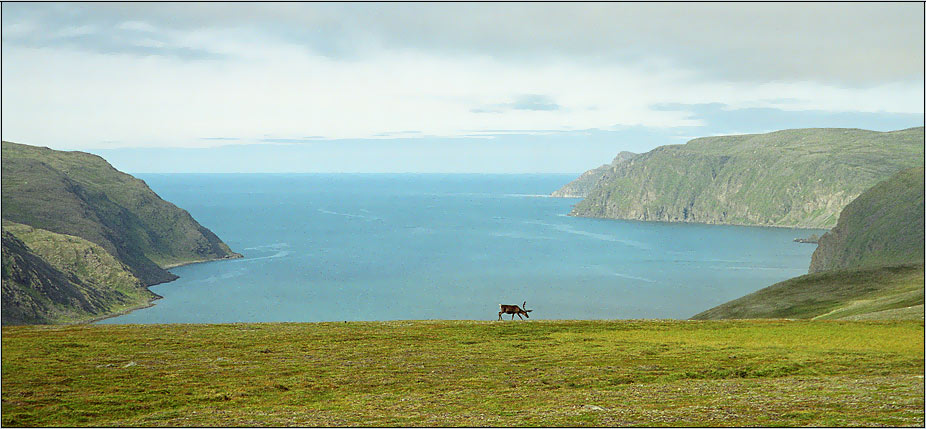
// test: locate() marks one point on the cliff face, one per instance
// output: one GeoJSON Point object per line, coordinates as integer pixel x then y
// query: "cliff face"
{"type": "Point", "coordinates": [870, 266]}
{"type": "Point", "coordinates": [581, 187]}
{"type": "Point", "coordinates": [52, 278]}
{"type": "Point", "coordinates": [883, 226]}
{"type": "Point", "coordinates": [81, 195]}
{"type": "Point", "coordinates": [799, 178]}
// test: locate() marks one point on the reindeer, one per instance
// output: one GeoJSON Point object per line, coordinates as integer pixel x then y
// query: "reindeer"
{"type": "Point", "coordinates": [512, 310]}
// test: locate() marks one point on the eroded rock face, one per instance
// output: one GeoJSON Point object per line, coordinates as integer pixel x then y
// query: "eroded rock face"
{"type": "Point", "coordinates": [798, 178]}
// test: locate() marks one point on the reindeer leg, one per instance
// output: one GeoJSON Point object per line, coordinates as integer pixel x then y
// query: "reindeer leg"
{"type": "Point", "coordinates": [519, 316]}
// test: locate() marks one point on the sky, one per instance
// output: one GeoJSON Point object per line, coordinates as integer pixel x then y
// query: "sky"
{"type": "Point", "coordinates": [429, 87]}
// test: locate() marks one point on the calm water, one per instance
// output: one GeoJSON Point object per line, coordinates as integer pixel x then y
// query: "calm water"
{"type": "Point", "coordinates": [392, 247]}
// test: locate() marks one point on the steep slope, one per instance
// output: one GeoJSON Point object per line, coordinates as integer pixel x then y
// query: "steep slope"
{"type": "Point", "coordinates": [883, 226]}
{"type": "Point", "coordinates": [581, 187]}
{"type": "Point", "coordinates": [869, 266]}
{"type": "Point", "coordinates": [82, 195]}
{"type": "Point", "coordinates": [55, 278]}
{"type": "Point", "coordinates": [798, 178]}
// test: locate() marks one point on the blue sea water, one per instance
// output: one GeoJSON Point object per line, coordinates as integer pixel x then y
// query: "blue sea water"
{"type": "Point", "coordinates": [332, 247]}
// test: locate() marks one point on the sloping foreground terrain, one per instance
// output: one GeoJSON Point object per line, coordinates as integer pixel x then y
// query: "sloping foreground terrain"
{"type": "Point", "coordinates": [467, 373]}
{"type": "Point", "coordinates": [797, 178]}
{"type": "Point", "coordinates": [877, 293]}
{"type": "Point", "coordinates": [64, 206]}
{"type": "Point", "coordinates": [869, 266]}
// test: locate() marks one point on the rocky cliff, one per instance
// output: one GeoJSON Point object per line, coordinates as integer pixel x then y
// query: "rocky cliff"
{"type": "Point", "coordinates": [883, 226]}
{"type": "Point", "coordinates": [580, 187]}
{"type": "Point", "coordinates": [57, 278]}
{"type": "Point", "coordinates": [798, 178]}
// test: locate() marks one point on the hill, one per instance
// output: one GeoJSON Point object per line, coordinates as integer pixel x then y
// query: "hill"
{"type": "Point", "coordinates": [580, 187]}
{"type": "Point", "coordinates": [466, 374]}
{"type": "Point", "coordinates": [81, 195]}
{"type": "Point", "coordinates": [869, 266]}
{"type": "Point", "coordinates": [56, 278]}
{"type": "Point", "coordinates": [841, 294]}
{"type": "Point", "coordinates": [796, 178]}
{"type": "Point", "coordinates": [883, 226]}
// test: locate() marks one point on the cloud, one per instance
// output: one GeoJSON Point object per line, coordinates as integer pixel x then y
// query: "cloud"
{"type": "Point", "coordinates": [847, 43]}
{"type": "Point", "coordinates": [177, 74]}
{"type": "Point", "coordinates": [137, 26]}
{"type": "Point", "coordinates": [535, 102]}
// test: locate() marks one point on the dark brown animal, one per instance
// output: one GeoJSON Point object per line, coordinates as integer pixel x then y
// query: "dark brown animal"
{"type": "Point", "coordinates": [512, 310]}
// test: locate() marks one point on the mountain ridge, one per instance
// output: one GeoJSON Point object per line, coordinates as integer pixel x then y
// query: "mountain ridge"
{"type": "Point", "coordinates": [791, 178]}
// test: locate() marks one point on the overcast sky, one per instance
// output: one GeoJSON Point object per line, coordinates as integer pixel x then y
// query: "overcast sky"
{"type": "Point", "coordinates": [480, 87]}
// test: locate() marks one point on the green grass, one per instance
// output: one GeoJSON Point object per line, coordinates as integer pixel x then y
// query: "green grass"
{"type": "Point", "coordinates": [832, 295]}
{"type": "Point", "coordinates": [467, 373]}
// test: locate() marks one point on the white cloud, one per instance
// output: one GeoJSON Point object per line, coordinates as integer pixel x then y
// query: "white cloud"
{"type": "Point", "coordinates": [75, 31]}
{"type": "Point", "coordinates": [247, 82]}
{"type": "Point", "coordinates": [58, 95]}
{"type": "Point", "coordinates": [140, 26]}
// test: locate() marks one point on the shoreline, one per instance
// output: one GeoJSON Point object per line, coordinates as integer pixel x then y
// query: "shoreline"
{"type": "Point", "coordinates": [151, 302]}
{"type": "Point", "coordinates": [570, 214]}
{"type": "Point", "coordinates": [234, 255]}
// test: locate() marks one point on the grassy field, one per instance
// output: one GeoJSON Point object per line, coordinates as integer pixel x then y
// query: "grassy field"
{"type": "Point", "coordinates": [467, 373]}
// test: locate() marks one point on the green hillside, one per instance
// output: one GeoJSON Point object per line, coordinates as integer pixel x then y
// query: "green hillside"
{"type": "Point", "coordinates": [580, 187]}
{"type": "Point", "coordinates": [869, 266]}
{"type": "Point", "coordinates": [80, 194]}
{"type": "Point", "coordinates": [840, 294]}
{"type": "Point", "coordinates": [466, 373]}
{"type": "Point", "coordinates": [883, 226]}
{"type": "Point", "coordinates": [56, 278]}
{"type": "Point", "coordinates": [797, 178]}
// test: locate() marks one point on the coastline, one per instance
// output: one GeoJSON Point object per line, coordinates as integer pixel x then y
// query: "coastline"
{"type": "Point", "coordinates": [702, 223]}
{"type": "Point", "coordinates": [156, 297]}
{"type": "Point", "coordinates": [91, 321]}
{"type": "Point", "coordinates": [233, 255]}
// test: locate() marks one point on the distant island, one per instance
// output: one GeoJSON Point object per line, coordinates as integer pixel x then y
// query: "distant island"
{"type": "Point", "coordinates": [794, 178]}
{"type": "Point", "coordinates": [82, 240]}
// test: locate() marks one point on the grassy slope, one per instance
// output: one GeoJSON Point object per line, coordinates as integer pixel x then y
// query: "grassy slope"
{"type": "Point", "coordinates": [467, 373]}
{"type": "Point", "coordinates": [883, 226]}
{"type": "Point", "coordinates": [831, 295]}
{"type": "Point", "coordinates": [96, 283]}
{"type": "Point", "coordinates": [80, 194]}
{"type": "Point", "coordinates": [787, 178]}
{"type": "Point", "coordinates": [869, 266]}
{"type": "Point", "coordinates": [588, 180]}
